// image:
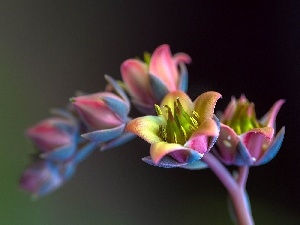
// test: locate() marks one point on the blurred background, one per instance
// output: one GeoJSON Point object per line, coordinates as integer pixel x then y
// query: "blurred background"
{"type": "Point", "coordinates": [50, 49]}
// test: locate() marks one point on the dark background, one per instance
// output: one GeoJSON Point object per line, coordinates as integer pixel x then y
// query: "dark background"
{"type": "Point", "coordinates": [50, 49]}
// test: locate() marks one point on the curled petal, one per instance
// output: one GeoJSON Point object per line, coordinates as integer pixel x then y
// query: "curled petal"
{"type": "Point", "coordinates": [269, 118]}
{"type": "Point", "coordinates": [163, 66]}
{"type": "Point", "coordinates": [181, 58]}
{"type": "Point", "coordinates": [273, 148]}
{"type": "Point", "coordinates": [146, 127]}
{"type": "Point", "coordinates": [134, 74]}
{"type": "Point", "coordinates": [178, 152]}
{"type": "Point", "coordinates": [200, 139]}
{"type": "Point", "coordinates": [183, 78]}
{"type": "Point", "coordinates": [165, 162]}
{"type": "Point", "coordinates": [257, 141]}
{"type": "Point", "coordinates": [205, 104]}
{"type": "Point", "coordinates": [101, 136]}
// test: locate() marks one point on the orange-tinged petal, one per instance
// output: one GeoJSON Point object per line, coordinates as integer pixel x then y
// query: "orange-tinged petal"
{"type": "Point", "coordinates": [184, 99]}
{"type": "Point", "coordinates": [205, 104]}
{"type": "Point", "coordinates": [146, 127]}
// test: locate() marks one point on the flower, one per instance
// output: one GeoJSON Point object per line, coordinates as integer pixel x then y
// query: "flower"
{"type": "Point", "coordinates": [180, 134]}
{"type": "Point", "coordinates": [148, 82]}
{"type": "Point", "coordinates": [243, 139]}
{"type": "Point", "coordinates": [55, 137]}
{"type": "Point", "coordinates": [105, 114]}
{"type": "Point", "coordinates": [45, 176]}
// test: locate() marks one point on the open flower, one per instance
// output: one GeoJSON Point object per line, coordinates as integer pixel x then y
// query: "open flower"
{"type": "Point", "coordinates": [243, 139]}
{"type": "Point", "coordinates": [55, 137]}
{"type": "Point", "coordinates": [105, 115]}
{"type": "Point", "coordinates": [183, 130]}
{"type": "Point", "coordinates": [149, 82]}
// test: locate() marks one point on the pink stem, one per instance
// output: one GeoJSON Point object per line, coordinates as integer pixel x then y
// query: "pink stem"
{"type": "Point", "coordinates": [236, 189]}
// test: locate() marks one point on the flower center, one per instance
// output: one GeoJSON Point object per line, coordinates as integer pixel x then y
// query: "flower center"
{"type": "Point", "coordinates": [244, 118]}
{"type": "Point", "coordinates": [179, 125]}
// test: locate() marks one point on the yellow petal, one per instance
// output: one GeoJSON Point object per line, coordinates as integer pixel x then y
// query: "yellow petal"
{"type": "Point", "coordinates": [205, 104]}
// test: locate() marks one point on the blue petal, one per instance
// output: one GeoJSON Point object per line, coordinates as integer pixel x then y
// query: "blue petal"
{"type": "Point", "coordinates": [123, 138]}
{"type": "Point", "coordinates": [118, 106]}
{"type": "Point", "coordinates": [273, 148]}
{"type": "Point", "coordinates": [117, 88]}
{"type": "Point", "coordinates": [214, 139]}
{"type": "Point", "coordinates": [60, 154]}
{"type": "Point", "coordinates": [85, 151]}
{"type": "Point", "coordinates": [196, 165]}
{"type": "Point", "coordinates": [242, 156]}
{"type": "Point", "coordinates": [165, 162]}
{"type": "Point", "coordinates": [101, 136]}
{"type": "Point", "coordinates": [183, 79]}
{"type": "Point", "coordinates": [159, 89]}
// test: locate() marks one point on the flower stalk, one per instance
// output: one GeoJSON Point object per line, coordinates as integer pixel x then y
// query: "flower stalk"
{"type": "Point", "coordinates": [235, 188]}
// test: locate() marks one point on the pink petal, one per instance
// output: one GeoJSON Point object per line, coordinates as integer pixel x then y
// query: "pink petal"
{"type": "Point", "coordinates": [200, 139]}
{"type": "Point", "coordinates": [229, 111]}
{"type": "Point", "coordinates": [181, 57]}
{"type": "Point", "coordinates": [146, 127]}
{"type": "Point", "coordinates": [257, 141]}
{"type": "Point", "coordinates": [205, 104]}
{"type": "Point", "coordinates": [269, 118]}
{"type": "Point", "coordinates": [163, 66]}
{"type": "Point", "coordinates": [135, 76]}
{"type": "Point", "coordinates": [227, 143]}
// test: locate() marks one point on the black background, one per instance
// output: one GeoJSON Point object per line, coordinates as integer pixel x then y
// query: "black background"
{"type": "Point", "coordinates": [50, 49]}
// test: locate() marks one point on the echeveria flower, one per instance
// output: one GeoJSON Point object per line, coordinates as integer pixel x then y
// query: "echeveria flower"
{"type": "Point", "coordinates": [243, 139]}
{"type": "Point", "coordinates": [55, 137]}
{"type": "Point", "coordinates": [148, 82]}
{"type": "Point", "coordinates": [45, 176]}
{"type": "Point", "coordinates": [182, 132]}
{"type": "Point", "coordinates": [105, 114]}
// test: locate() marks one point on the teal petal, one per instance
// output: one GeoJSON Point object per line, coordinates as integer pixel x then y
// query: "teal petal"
{"type": "Point", "coordinates": [158, 87]}
{"type": "Point", "coordinates": [196, 165]}
{"type": "Point", "coordinates": [60, 154]}
{"type": "Point", "coordinates": [183, 78]}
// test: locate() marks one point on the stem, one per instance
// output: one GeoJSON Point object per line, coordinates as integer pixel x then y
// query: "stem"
{"type": "Point", "coordinates": [236, 189]}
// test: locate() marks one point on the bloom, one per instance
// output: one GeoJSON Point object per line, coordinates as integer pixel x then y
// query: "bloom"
{"type": "Point", "coordinates": [243, 139]}
{"type": "Point", "coordinates": [55, 137]}
{"type": "Point", "coordinates": [45, 176]}
{"type": "Point", "coordinates": [148, 82]}
{"type": "Point", "coordinates": [105, 114]}
{"type": "Point", "coordinates": [180, 134]}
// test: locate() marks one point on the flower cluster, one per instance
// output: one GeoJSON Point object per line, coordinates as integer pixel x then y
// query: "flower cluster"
{"type": "Point", "coordinates": [180, 134]}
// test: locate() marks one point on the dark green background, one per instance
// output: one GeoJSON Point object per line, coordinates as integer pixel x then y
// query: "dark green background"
{"type": "Point", "coordinates": [50, 49]}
